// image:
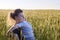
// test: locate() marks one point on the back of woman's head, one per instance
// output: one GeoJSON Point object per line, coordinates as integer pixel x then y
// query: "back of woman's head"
{"type": "Point", "coordinates": [15, 13]}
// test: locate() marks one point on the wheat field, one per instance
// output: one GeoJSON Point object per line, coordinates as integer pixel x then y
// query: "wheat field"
{"type": "Point", "coordinates": [46, 23]}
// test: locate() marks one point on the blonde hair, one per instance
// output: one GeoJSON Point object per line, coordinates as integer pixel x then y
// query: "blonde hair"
{"type": "Point", "coordinates": [11, 16]}
{"type": "Point", "coordinates": [10, 21]}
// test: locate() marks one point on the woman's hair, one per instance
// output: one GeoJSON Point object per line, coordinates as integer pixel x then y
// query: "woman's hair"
{"type": "Point", "coordinates": [11, 17]}
{"type": "Point", "coordinates": [16, 13]}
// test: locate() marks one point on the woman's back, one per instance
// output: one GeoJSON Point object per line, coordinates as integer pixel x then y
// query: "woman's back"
{"type": "Point", "coordinates": [27, 30]}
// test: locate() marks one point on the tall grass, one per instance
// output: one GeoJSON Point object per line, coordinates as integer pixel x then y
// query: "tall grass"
{"type": "Point", "coordinates": [46, 24]}
{"type": "Point", "coordinates": [3, 28]}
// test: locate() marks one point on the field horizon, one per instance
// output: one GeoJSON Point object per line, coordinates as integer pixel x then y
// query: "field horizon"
{"type": "Point", "coordinates": [46, 23]}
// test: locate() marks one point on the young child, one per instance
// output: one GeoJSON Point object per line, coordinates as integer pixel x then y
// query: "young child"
{"type": "Point", "coordinates": [27, 30]}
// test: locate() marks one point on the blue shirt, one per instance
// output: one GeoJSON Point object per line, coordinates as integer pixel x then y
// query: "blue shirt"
{"type": "Point", "coordinates": [27, 30]}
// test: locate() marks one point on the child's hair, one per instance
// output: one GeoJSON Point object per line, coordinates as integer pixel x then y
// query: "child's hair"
{"type": "Point", "coordinates": [16, 13]}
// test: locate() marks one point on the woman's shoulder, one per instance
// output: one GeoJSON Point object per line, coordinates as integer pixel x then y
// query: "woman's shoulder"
{"type": "Point", "coordinates": [20, 24]}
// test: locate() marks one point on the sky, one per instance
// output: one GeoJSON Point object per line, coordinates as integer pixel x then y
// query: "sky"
{"type": "Point", "coordinates": [30, 4]}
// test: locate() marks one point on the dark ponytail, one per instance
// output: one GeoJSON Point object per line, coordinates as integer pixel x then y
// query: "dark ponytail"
{"type": "Point", "coordinates": [12, 15]}
{"type": "Point", "coordinates": [16, 13]}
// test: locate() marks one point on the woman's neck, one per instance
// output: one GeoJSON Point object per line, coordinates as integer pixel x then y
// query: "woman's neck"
{"type": "Point", "coordinates": [20, 21]}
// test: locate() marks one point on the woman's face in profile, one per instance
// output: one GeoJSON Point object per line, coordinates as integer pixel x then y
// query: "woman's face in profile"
{"type": "Point", "coordinates": [19, 17]}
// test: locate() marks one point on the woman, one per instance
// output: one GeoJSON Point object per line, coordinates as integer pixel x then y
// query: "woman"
{"type": "Point", "coordinates": [27, 31]}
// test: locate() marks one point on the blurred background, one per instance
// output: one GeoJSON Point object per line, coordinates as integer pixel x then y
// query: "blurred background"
{"type": "Point", "coordinates": [44, 15]}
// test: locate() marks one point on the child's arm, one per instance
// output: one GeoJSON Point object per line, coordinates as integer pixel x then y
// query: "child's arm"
{"type": "Point", "coordinates": [14, 27]}
{"type": "Point", "coordinates": [11, 29]}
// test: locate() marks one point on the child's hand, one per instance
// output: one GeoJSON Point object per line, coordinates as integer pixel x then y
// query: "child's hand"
{"type": "Point", "coordinates": [7, 34]}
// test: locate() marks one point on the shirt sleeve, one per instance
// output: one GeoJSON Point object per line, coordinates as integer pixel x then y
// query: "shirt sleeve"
{"type": "Point", "coordinates": [19, 24]}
